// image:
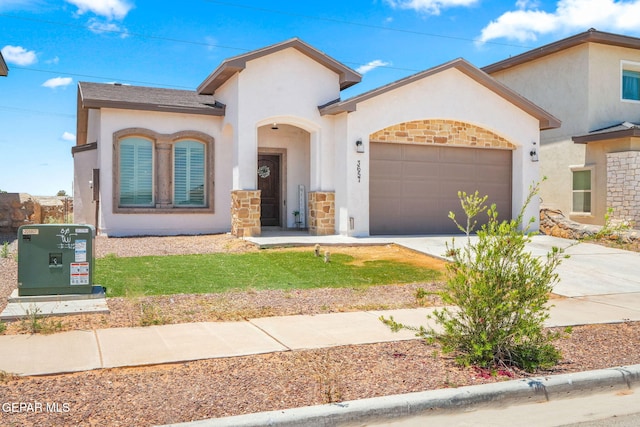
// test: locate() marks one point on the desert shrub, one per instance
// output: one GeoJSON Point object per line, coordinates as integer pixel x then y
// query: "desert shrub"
{"type": "Point", "coordinates": [499, 291]}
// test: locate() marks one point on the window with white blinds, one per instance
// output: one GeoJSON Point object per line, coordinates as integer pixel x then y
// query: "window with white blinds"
{"type": "Point", "coordinates": [136, 172]}
{"type": "Point", "coordinates": [188, 173]}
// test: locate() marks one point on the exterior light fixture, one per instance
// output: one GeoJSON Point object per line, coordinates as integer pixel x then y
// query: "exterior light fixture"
{"type": "Point", "coordinates": [533, 153]}
{"type": "Point", "coordinates": [359, 146]}
{"type": "Point", "coordinates": [274, 126]}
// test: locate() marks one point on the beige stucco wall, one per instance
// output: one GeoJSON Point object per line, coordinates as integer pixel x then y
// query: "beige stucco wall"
{"type": "Point", "coordinates": [581, 86]}
{"type": "Point", "coordinates": [84, 207]}
{"type": "Point", "coordinates": [452, 96]}
{"type": "Point", "coordinates": [113, 120]}
{"type": "Point", "coordinates": [285, 87]}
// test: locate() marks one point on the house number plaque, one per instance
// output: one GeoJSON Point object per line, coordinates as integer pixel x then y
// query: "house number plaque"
{"type": "Point", "coordinates": [359, 170]}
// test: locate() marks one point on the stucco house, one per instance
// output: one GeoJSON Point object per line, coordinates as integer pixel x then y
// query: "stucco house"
{"type": "Point", "coordinates": [591, 82]}
{"type": "Point", "coordinates": [266, 136]}
{"type": "Point", "coordinates": [4, 70]}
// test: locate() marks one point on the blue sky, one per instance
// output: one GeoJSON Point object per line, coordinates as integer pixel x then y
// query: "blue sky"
{"type": "Point", "coordinates": [50, 46]}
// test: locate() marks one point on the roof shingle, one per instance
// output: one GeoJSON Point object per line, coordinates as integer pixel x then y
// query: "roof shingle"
{"type": "Point", "coordinates": [100, 95]}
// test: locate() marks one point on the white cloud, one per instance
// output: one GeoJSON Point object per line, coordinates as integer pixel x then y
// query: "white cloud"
{"type": "Point", "coordinates": [527, 4]}
{"type": "Point", "coordinates": [54, 60]}
{"type": "Point", "coordinates": [99, 27]}
{"type": "Point", "coordinates": [211, 42]}
{"type": "Point", "coordinates": [19, 4]}
{"type": "Point", "coordinates": [19, 55]}
{"type": "Point", "coordinates": [68, 136]}
{"type": "Point", "coordinates": [529, 22]}
{"type": "Point", "coordinates": [363, 69]}
{"type": "Point", "coordinates": [57, 82]}
{"type": "Point", "coordinates": [110, 9]}
{"type": "Point", "coordinates": [432, 7]}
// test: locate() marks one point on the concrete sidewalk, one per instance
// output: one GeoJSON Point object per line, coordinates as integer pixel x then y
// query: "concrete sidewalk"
{"type": "Point", "coordinates": [599, 285]}
{"type": "Point", "coordinates": [108, 348]}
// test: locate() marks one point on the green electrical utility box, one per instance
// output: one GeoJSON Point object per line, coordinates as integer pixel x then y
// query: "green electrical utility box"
{"type": "Point", "coordinates": [55, 259]}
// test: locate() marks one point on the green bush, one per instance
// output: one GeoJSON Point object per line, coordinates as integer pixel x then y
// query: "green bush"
{"type": "Point", "coordinates": [4, 250]}
{"type": "Point", "coordinates": [500, 293]}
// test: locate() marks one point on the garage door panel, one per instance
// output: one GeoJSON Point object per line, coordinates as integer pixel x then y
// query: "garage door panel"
{"type": "Point", "coordinates": [386, 152]}
{"type": "Point", "coordinates": [493, 157]}
{"type": "Point", "coordinates": [417, 153]}
{"type": "Point", "coordinates": [425, 185]}
{"type": "Point", "coordinates": [492, 173]}
{"type": "Point", "coordinates": [384, 189]}
{"type": "Point", "coordinates": [387, 169]}
{"type": "Point", "coordinates": [420, 170]}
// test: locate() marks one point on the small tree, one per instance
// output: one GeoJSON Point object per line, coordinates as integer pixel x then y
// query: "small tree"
{"type": "Point", "coordinates": [61, 193]}
{"type": "Point", "coordinates": [499, 290]}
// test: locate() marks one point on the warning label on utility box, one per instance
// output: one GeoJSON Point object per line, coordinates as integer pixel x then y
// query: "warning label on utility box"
{"type": "Point", "coordinates": [79, 273]}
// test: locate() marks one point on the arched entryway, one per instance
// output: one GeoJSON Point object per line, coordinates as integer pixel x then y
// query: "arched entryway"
{"type": "Point", "coordinates": [283, 175]}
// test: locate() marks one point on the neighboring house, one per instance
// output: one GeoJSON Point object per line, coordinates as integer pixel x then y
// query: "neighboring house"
{"type": "Point", "coordinates": [266, 135]}
{"type": "Point", "coordinates": [591, 82]}
{"type": "Point", "coordinates": [4, 70]}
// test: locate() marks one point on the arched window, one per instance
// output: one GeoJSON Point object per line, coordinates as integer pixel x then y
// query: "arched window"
{"type": "Point", "coordinates": [162, 173]}
{"type": "Point", "coordinates": [136, 172]}
{"type": "Point", "coordinates": [189, 173]}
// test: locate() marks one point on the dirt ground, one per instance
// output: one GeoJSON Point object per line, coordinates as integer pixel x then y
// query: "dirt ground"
{"type": "Point", "coordinates": [232, 305]}
{"type": "Point", "coordinates": [182, 392]}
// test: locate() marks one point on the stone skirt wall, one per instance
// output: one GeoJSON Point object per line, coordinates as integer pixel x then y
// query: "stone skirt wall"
{"type": "Point", "coordinates": [245, 213]}
{"type": "Point", "coordinates": [623, 185]}
{"type": "Point", "coordinates": [322, 213]}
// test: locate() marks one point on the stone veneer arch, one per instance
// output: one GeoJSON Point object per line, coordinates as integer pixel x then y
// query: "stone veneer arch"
{"type": "Point", "coordinates": [441, 132]}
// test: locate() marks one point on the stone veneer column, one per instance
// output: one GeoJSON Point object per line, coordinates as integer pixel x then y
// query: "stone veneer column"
{"type": "Point", "coordinates": [322, 213]}
{"type": "Point", "coordinates": [623, 185]}
{"type": "Point", "coordinates": [245, 213]}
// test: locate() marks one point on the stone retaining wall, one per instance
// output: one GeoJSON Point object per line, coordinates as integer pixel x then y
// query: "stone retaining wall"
{"type": "Point", "coordinates": [18, 209]}
{"type": "Point", "coordinates": [554, 223]}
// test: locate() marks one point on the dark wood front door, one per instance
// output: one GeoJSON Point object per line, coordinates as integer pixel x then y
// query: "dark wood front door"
{"type": "Point", "coordinates": [269, 185]}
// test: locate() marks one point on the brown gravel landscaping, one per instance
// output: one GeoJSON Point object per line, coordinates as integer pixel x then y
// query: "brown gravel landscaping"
{"type": "Point", "coordinates": [230, 386]}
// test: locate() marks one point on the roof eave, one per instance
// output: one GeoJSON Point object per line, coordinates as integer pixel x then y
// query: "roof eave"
{"type": "Point", "coordinates": [214, 111]}
{"type": "Point", "coordinates": [82, 120]}
{"type": "Point", "coordinates": [626, 133]}
{"type": "Point", "coordinates": [546, 120]}
{"type": "Point", "coordinates": [590, 36]}
{"type": "Point", "coordinates": [4, 70]}
{"type": "Point", "coordinates": [231, 66]}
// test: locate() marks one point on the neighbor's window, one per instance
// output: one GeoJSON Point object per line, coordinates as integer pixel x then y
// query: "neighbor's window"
{"type": "Point", "coordinates": [630, 81]}
{"type": "Point", "coordinates": [136, 172]}
{"type": "Point", "coordinates": [582, 191]}
{"type": "Point", "coordinates": [188, 173]}
{"type": "Point", "coordinates": [631, 85]}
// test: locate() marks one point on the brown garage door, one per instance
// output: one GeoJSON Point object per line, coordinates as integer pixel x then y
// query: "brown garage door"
{"type": "Point", "coordinates": [413, 187]}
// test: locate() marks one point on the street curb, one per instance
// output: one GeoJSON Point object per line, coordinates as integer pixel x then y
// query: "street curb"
{"type": "Point", "coordinates": [358, 412]}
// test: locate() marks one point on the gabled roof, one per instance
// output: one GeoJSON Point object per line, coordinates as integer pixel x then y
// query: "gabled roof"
{"type": "Point", "coordinates": [620, 130]}
{"type": "Point", "coordinates": [4, 70]}
{"type": "Point", "coordinates": [547, 121]}
{"type": "Point", "coordinates": [590, 36]}
{"type": "Point", "coordinates": [100, 95]}
{"type": "Point", "coordinates": [230, 66]}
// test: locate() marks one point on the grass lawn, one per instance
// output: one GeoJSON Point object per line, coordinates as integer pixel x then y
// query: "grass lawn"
{"type": "Point", "coordinates": [194, 274]}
